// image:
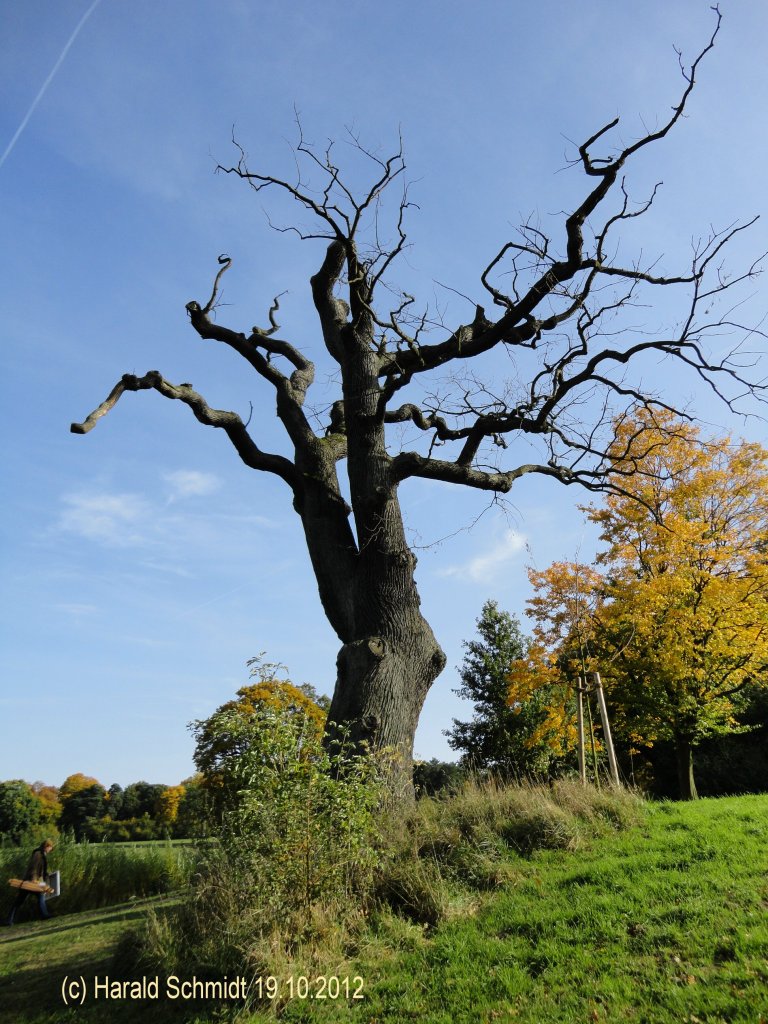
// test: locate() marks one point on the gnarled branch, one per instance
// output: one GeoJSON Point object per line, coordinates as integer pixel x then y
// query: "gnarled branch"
{"type": "Point", "coordinates": [229, 422]}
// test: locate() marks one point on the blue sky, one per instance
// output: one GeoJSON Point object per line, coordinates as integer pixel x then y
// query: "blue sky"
{"type": "Point", "coordinates": [143, 564]}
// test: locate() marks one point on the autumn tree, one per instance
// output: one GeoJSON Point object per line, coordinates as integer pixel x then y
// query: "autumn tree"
{"type": "Point", "coordinates": [565, 312]}
{"type": "Point", "coordinates": [222, 738]}
{"type": "Point", "coordinates": [687, 600]}
{"type": "Point", "coordinates": [74, 783]}
{"type": "Point", "coordinates": [677, 621]}
{"type": "Point", "coordinates": [557, 658]}
{"type": "Point", "coordinates": [50, 804]}
{"type": "Point", "coordinates": [167, 807]}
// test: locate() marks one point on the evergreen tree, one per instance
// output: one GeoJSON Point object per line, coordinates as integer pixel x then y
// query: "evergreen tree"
{"type": "Point", "coordinates": [501, 737]}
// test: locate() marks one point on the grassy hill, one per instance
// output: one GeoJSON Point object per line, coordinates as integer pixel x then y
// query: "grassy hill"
{"type": "Point", "coordinates": [664, 923]}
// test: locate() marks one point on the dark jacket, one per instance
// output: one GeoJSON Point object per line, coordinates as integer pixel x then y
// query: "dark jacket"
{"type": "Point", "coordinates": [37, 869]}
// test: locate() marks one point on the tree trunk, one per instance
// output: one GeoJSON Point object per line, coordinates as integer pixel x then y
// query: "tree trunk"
{"type": "Point", "coordinates": [382, 682]}
{"type": "Point", "coordinates": [390, 657]}
{"type": "Point", "coordinates": [684, 755]}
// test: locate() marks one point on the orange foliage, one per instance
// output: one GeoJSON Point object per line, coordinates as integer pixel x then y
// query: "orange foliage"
{"type": "Point", "coordinates": [563, 609]}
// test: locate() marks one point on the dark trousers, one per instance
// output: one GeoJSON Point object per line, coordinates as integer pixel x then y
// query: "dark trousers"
{"type": "Point", "coordinates": [23, 893]}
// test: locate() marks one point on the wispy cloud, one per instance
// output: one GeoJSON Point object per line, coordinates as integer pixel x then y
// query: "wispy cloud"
{"type": "Point", "coordinates": [188, 483]}
{"type": "Point", "coordinates": [163, 565]}
{"type": "Point", "coordinates": [112, 519]}
{"type": "Point", "coordinates": [215, 599]}
{"type": "Point", "coordinates": [171, 535]}
{"type": "Point", "coordinates": [76, 609]}
{"type": "Point", "coordinates": [492, 562]}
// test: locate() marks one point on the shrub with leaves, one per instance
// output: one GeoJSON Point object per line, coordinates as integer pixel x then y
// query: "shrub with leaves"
{"type": "Point", "coordinates": [304, 819]}
{"type": "Point", "coordinates": [217, 746]}
{"type": "Point", "coordinates": [296, 850]}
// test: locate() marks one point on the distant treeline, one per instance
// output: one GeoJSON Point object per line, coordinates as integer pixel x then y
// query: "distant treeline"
{"type": "Point", "coordinates": [87, 810]}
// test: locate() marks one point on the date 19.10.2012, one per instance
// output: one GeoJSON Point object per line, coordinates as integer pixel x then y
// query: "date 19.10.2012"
{"type": "Point", "coordinates": [300, 986]}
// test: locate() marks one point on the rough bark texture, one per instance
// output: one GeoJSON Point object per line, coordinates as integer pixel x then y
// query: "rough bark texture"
{"type": "Point", "coordinates": [550, 313]}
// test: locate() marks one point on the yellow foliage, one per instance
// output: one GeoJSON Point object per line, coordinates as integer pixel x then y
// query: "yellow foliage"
{"type": "Point", "coordinates": [677, 622]}
{"type": "Point", "coordinates": [280, 695]}
{"type": "Point", "coordinates": [50, 804]}
{"type": "Point", "coordinates": [213, 747]}
{"type": "Point", "coordinates": [168, 803]}
{"type": "Point", "coordinates": [74, 783]}
{"type": "Point", "coordinates": [536, 675]}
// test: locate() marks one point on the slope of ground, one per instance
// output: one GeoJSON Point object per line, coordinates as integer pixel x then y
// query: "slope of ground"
{"type": "Point", "coordinates": [663, 924]}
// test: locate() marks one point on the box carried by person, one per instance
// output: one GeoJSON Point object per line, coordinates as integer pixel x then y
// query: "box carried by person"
{"type": "Point", "coordinates": [20, 883]}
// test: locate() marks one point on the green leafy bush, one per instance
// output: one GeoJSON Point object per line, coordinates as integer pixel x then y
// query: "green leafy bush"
{"type": "Point", "coordinates": [312, 854]}
{"type": "Point", "coordinates": [296, 851]}
{"type": "Point", "coordinates": [306, 812]}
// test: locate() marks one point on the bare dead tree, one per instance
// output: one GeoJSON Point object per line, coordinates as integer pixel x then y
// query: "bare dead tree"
{"type": "Point", "coordinates": [565, 319]}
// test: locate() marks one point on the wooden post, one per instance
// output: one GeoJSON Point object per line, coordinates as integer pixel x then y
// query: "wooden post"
{"type": "Point", "coordinates": [606, 730]}
{"type": "Point", "coordinates": [580, 729]}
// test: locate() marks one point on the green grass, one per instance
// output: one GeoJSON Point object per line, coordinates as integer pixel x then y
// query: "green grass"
{"type": "Point", "coordinates": [36, 957]}
{"type": "Point", "coordinates": [663, 923]}
{"type": "Point", "coordinates": [97, 875]}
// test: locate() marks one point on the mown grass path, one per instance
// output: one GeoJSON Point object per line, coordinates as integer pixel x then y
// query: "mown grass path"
{"type": "Point", "coordinates": [36, 956]}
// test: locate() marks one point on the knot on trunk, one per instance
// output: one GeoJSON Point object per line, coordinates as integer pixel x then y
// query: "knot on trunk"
{"type": "Point", "coordinates": [370, 645]}
{"type": "Point", "coordinates": [438, 661]}
{"type": "Point", "coordinates": [358, 657]}
{"type": "Point", "coordinates": [369, 726]}
{"type": "Point", "coordinates": [376, 646]}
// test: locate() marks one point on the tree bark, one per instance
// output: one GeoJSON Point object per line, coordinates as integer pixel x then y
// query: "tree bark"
{"type": "Point", "coordinates": [360, 556]}
{"type": "Point", "coordinates": [390, 656]}
{"type": "Point", "coordinates": [685, 779]}
{"type": "Point", "coordinates": [382, 682]}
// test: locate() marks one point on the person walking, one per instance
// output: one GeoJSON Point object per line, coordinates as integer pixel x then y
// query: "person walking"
{"type": "Point", "coordinates": [37, 871]}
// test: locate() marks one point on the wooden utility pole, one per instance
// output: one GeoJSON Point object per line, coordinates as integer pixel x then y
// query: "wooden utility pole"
{"type": "Point", "coordinates": [580, 689]}
{"type": "Point", "coordinates": [606, 730]}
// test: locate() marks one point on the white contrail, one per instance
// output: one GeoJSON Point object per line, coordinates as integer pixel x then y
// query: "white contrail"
{"type": "Point", "coordinates": [48, 81]}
